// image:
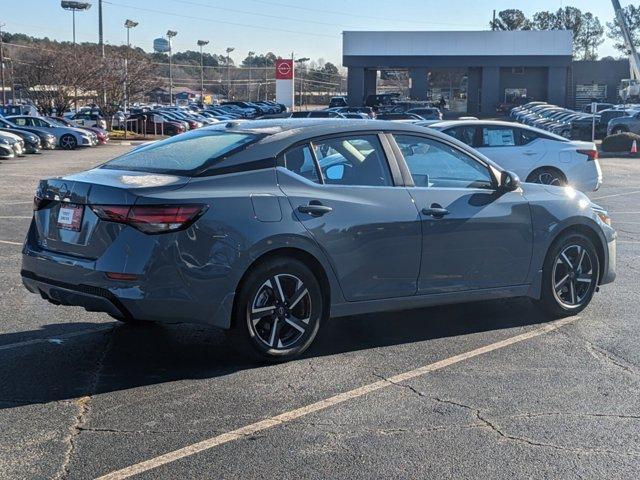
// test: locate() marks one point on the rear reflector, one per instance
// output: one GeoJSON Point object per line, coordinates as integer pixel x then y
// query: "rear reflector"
{"type": "Point", "coordinates": [121, 276]}
{"type": "Point", "coordinates": [151, 218]}
{"type": "Point", "coordinates": [592, 154]}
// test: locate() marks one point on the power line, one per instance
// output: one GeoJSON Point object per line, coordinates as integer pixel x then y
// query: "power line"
{"type": "Point", "coordinates": [265, 15]}
{"type": "Point", "coordinates": [211, 20]}
{"type": "Point", "coordinates": [343, 14]}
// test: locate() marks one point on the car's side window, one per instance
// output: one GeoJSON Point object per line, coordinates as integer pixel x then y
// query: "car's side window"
{"type": "Point", "coordinates": [353, 160]}
{"type": "Point", "coordinates": [21, 122]}
{"type": "Point", "coordinates": [436, 164]}
{"type": "Point", "coordinates": [495, 136]}
{"type": "Point", "coordinates": [466, 134]}
{"type": "Point", "coordinates": [300, 160]}
{"type": "Point", "coordinates": [527, 136]}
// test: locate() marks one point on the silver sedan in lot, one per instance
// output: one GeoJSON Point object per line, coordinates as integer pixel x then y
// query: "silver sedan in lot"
{"type": "Point", "coordinates": [270, 227]}
{"type": "Point", "coordinates": [68, 138]}
{"type": "Point", "coordinates": [14, 141]}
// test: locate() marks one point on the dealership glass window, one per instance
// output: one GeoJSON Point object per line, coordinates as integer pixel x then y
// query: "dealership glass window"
{"type": "Point", "coordinates": [300, 160]}
{"type": "Point", "coordinates": [498, 137]}
{"type": "Point", "coordinates": [435, 164]}
{"type": "Point", "coordinates": [353, 160]}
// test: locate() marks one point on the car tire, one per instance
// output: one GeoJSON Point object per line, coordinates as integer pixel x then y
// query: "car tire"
{"type": "Point", "coordinates": [570, 276]}
{"type": "Point", "coordinates": [68, 142]}
{"type": "Point", "coordinates": [278, 310]}
{"type": "Point", "coordinates": [547, 176]}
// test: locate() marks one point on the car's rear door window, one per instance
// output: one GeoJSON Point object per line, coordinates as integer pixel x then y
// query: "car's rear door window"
{"type": "Point", "coordinates": [182, 154]}
{"type": "Point", "coordinates": [353, 160]}
{"type": "Point", "coordinates": [300, 160]}
{"type": "Point", "coordinates": [464, 133]}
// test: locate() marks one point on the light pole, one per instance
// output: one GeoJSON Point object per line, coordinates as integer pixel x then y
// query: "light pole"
{"type": "Point", "coordinates": [301, 62]}
{"type": "Point", "coordinates": [202, 43]}
{"type": "Point", "coordinates": [229, 50]}
{"type": "Point", "coordinates": [129, 24]}
{"type": "Point", "coordinates": [74, 7]}
{"type": "Point", "coordinates": [170, 35]}
{"type": "Point", "coordinates": [4, 94]}
{"type": "Point", "coordinates": [266, 79]}
{"type": "Point", "coordinates": [251, 54]}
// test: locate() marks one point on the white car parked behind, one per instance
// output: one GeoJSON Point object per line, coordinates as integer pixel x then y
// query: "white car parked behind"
{"type": "Point", "coordinates": [534, 155]}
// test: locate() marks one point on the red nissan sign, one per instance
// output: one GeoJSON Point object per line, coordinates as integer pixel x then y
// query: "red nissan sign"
{"type": "Point", "coordinates": [284, 69]}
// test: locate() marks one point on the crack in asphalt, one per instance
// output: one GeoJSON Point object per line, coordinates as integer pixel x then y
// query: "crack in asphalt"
{"type": "Point", "coordinates": [84, 407]}
{"type": "Point", "coordinates": [606, 355]}
{"type": "Point", "coordinates": [490, 424]}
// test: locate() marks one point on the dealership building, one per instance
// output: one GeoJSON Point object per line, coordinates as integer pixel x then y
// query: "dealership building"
{"type": "Point", "coordinates": [492, 67]}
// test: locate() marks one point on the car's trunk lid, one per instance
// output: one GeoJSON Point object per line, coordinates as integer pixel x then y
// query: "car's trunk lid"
{"type": "Point", "coordinates": [66, 223]}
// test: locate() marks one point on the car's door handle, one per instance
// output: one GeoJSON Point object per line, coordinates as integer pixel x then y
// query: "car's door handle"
{"type": "Point", "coordinates": [530, 153]}
{"type": "Point", "coordinates": [315, 208]}
{"type": "Point", "coordinates": [435, 211]}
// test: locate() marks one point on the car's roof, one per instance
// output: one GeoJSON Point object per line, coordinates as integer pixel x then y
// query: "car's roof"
{"type": "Point", "coordinates": [457, 123]}
{"type": "Point", "coordinates": [281, 133]}
{"type": "Point", "coordinates": [497, 123]}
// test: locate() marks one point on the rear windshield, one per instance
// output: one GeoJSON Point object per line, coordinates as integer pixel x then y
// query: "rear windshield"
{"type": "Point", "coordinates": [183, 154]}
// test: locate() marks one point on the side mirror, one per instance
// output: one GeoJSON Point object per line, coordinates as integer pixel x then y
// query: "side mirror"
{"type": "Point", "coordinates": [509, 181]}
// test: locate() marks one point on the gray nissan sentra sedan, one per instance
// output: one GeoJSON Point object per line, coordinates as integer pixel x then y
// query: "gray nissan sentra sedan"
{"type": "Point", "coordinates": [270, 227]}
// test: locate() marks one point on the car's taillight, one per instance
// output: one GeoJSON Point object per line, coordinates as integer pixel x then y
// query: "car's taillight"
{"type": "Point", "coordinates": [592, 154]}
{"type": "Point", "coordinates": [151, 218]}
{"type": "Point", "coordinates": [39, 202]}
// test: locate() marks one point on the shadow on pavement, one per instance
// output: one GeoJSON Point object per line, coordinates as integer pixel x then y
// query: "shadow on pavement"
{"type": "Point", "coordinates": [131, 356]}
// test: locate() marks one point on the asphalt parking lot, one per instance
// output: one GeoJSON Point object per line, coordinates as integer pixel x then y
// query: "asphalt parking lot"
{"type": "Point", "coordinates": [485, 390]}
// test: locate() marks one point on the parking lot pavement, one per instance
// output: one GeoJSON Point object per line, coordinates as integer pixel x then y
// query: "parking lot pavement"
{"type": "Point", "coordinates": [485, 390]}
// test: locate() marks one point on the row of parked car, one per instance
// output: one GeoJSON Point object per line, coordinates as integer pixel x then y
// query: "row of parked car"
{"type": "Point", "coordinates": [21, 134]}
{"type": "Point", "coordinates": [174, 119]}
{"type": "Point", "coordinates": [417, 114]}
{"type": "Point", "coordinates": [608, 119]}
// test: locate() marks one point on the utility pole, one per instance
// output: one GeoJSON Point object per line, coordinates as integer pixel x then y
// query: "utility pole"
{"type": "Point", "coordinates": [202, 43]}
{"type": "Point", "coordinates": [100, 32]}
{"type": "Point", "coordinates": [4, 94]}
{"type": "Point", "coordinates": [13, 84]}
{"type": "Point", "coordinates": [493, 24]}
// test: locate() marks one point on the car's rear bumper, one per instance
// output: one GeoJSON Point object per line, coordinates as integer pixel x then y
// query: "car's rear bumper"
{"type": "Point", "coordinates": [92, 299]}
{"type": "Point", "coordinates": [162, 291]}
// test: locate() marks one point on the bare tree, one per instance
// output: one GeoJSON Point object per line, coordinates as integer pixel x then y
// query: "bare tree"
{"type": "Point", "coordinates": [53, 77]}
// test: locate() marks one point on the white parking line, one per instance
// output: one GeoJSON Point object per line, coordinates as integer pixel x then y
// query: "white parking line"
{"type": "Point", "coordinates": [617, 195]}
{"type": "Point", "coordinates": [15, 216]}
{"type": "Point", "coordinates": [289, 416]}
{"type": "Point", "coordinates": [58, 339]}
{"type": "Point", "coordinates": [10, 243]}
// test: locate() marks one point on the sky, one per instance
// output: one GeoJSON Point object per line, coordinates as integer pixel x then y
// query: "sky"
{"type": "Point", "coordinates": [308, 29]}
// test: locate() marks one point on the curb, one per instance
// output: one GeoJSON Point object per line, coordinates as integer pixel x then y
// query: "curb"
{"type": "Point", "coordinates": [625, 154]}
